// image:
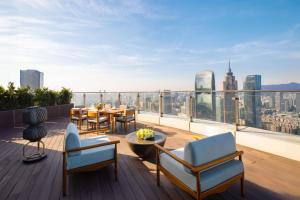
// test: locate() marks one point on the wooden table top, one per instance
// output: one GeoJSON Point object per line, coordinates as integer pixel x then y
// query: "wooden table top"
{"type": "Point", "coordinates": [109, 111]}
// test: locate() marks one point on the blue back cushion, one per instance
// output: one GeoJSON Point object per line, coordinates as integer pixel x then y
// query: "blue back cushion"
{"type": "Point", "coordinates": [72, 138]}
{"type": "Point", "coordinates": [208, 149]}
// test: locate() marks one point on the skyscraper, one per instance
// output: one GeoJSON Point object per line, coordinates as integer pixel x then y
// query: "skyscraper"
{"type": "Point", "coordinates": [252, 101]}
{"type": "Point", "coordinates": [31, 78]}
{"type": "Point", "coordinates": [298, 102]}
{"type": "Point", "coordinates": [205, 95]}
{"type": "Point", "coordinates": [279, 102]}
{"type": "Point", "coordinates": [229, 104]}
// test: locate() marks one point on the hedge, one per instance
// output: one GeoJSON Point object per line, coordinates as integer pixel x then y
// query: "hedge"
{"type": "Point", "coordinates": [22, 97]}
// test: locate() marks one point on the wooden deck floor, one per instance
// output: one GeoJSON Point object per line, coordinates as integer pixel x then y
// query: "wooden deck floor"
{"type": "Point", "coordinates": [267, 176]}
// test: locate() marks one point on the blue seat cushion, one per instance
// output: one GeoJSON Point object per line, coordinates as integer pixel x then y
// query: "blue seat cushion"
{"type": "Point", "coordinates": [91, 156]}
{"type": "Point", "coordinates": [208, 179]}
{"type": "Point", "coordinates": [72, 139]}
{"type": "Point", "coordinates": [208, 149]}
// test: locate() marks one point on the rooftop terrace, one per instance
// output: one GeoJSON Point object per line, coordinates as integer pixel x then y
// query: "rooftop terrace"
{"type": "Point", "coordinates": [267, 176]}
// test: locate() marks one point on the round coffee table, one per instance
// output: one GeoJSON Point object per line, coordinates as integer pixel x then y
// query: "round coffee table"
{"type": "Point", "coordinates": [145, 148]}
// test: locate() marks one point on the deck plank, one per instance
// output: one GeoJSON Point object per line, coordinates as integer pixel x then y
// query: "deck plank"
{"type": "Point", "coordinates": [267, 176]}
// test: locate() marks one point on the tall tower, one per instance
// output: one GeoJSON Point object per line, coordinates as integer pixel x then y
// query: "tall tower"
{"type": "Point", "coordinates": [298, 102]}
{"type": "Point", "coordinates": [252, 101]}
{"type": "Point", "coordinates": [279, 102]}
{"type": "Point", "coordinates": [31, 78]}
{"type": "Point", "coordinates": [229, 107]}
{"type": "Point", "coordinates": [205, 95]}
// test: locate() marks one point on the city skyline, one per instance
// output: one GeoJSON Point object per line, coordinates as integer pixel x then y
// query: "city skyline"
{"type": "Point", "coordinates": [152, 42]}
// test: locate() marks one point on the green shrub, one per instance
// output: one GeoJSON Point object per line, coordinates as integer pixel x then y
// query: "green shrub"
{"type": "Point", "coordinates": [12, 98]}
{"type": "Point", "coordinates": [24, 97]}
{"type": "Point", "coordinates": [45, 97]}
{"type": "Point", "coordinates": [64, 96]}
{"type": "Point", "coordinates": [2, 99]}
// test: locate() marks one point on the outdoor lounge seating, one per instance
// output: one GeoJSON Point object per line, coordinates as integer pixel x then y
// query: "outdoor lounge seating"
{"type": "Point", "coordinates": [127, 117]}
{"type": "Point", "coordinates": [203, 167]}
{"type": "Point", "coordinates": [87, 154]}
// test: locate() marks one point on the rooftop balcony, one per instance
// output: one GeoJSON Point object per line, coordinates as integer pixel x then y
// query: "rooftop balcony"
{"type": "Point", "coordinates": [271, 158]}
{"type": "Point", "coordinates": [267, 176]}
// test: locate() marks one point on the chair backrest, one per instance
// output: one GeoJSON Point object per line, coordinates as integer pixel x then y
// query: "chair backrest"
{"type": "Point", "coordinates": [72, 139]}
{"type": "Point", "coordinates": [129, 112]}
{"type": "Point", "coordinates": [123, 107]}
{"type": "Point", "coordinates": [75, 112]}
{"type": "Point", "coordinates": [92, 114]}
{"type": "Point", "coordinates": [208, 149]}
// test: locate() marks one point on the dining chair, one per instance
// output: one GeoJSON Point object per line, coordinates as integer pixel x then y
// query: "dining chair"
{"type": "Point", "coordinates": [78, 115]}
{"type": "Point", "coordinates": [127, 117]}
{"type": "Point", "coordinates": [97, 121]}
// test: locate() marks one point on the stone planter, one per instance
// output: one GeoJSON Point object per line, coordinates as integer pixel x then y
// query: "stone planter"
{"type": "Point", "coordinates": [13, 118]}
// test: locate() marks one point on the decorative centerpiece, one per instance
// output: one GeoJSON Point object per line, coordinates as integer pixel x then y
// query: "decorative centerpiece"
{"type": "Point", "coordinates": [145, 134]}
{"type": "Point", "coordinates": [100, 106]}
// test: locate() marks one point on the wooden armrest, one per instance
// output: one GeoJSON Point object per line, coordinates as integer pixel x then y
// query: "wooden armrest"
{"type": "Point", "coordinates": [89, 131]}
{"type": "Point", "coordinates": [217, 161]}
{"type": "Point", "coordinates": [183, 162]}
{"type": "Point", "coordinates": [93, 146]}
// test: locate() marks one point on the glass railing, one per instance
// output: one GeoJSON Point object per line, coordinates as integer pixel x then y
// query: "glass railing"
{"type": "Point", "coordinates": [149, 102]}
{"type": "Point", "coordinates": [276, 111]}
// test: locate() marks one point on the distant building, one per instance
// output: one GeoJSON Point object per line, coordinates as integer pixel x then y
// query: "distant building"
{"type": "Point", "coordinates": [167, 102]}
{"type": "Point", "coordinates": [31, 78]}
{"type": "Point", "coordinates": [252, 101]}
{"type": "Point", "coordinates": [279, 102]}
{"type": "Point", "coordinates": [220, 109]}
{"type": "Point", "coordinates": [205, 102]}
{"type": "Point", "coordinates": [229, 104]}
{"type": "Point", "coordinates": [298, 102]}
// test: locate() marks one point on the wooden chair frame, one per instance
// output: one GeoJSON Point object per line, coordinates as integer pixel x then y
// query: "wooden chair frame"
{"type": "Point", "coordinates": [78, 113]}
{"type": "Point", "coordinates": [91, 167]}
{"type": "Point", "coordinates": [196, 171]}
{"type": "Point", "coordinates": [128, 112]}
{"type": "Point", "coordinates": [96, 115]}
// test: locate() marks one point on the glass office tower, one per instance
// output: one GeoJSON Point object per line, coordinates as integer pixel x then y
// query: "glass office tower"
{"type": "Point", "coordinates": [205, 103]}
{"type": "Point", "coordinates": [252, 101]}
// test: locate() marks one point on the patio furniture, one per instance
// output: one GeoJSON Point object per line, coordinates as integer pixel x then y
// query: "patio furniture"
{"type": "Point", "coordinates": [78, 115]}
{"type": "Point", "coordinates": [127, 117]}
{"type": "Point", "coordinates": [98, 121]}
{"type": "Point", "coordinates": [203, 167]}
{"type": "Point", "coordinates": [145, 148]}
{"type": "Point", "coordinates": [87, 154]}
{"type": "Point", "coordinates": [35, 118]}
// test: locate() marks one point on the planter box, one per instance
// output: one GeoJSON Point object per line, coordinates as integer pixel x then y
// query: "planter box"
{"type": "Point", "coordinates": [13, 118]}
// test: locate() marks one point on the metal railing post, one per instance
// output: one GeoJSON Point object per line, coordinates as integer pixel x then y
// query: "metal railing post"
{"type": "Point", "coordinates": [160, 104]}
{"type": "Point", "coordinates": [190, 107]}
{"type": "Point", "coordinates": [138, 102]}
{"type": "Point", "coordinates": [84, 99]}
{"type": "Point", "coordinates": [236, 113]}
{"type": "Point", "coordinates": [119, 98]}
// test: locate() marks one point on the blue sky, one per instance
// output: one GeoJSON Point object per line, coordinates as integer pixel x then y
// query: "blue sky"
{"type": "Point", "coordinates": [148, 45]}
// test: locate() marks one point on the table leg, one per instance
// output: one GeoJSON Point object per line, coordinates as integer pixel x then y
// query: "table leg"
{"type": "Point", "coordinates": [111, 119]}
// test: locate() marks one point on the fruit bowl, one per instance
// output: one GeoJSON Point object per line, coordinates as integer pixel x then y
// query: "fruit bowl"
{"type": "Point", "coordinates": [145, 134]}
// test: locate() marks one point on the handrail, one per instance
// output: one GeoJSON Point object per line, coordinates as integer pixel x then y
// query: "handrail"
{"type": "Point", "coordinates": [192, 91]}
